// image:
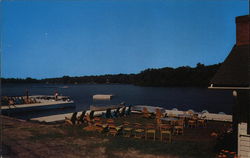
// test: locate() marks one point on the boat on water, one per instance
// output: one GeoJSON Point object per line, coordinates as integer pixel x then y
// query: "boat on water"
{"type": "Point", "coordinates": [34, 103]}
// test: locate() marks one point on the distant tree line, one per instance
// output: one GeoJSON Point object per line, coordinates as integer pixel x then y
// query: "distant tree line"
{"type": "Point", "coordinates": [181, 76]}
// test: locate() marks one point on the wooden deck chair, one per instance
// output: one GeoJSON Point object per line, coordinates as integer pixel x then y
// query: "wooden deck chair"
{"type": "Point", "coordinates": [146, 113]}
{"type": "Point", "coordinates": [110, 121]}
{"type": "Point", "coordinates": [123, 111]}
{"type": "Point", "coordinates": [128, 111]}
{"type": "Point", "coordinates": [108, 113]}
{"type": "Point", "coordinates": [117, 112]}
{"type": "Point", "coordinates": [166, 130]}
{"type": "Point", "coordinates": [179, 127]}
{"type": "Point", "coordinates": [88, 120]}
{"type": "Point", "coordinates": [158, 123]}
{"type": "Point", "coordinates": [191, 123]}
{"type": "Point", "coordinates": [150, 129]}
{"type": "Point", "coordinates": [195, 117]}
{"type": "Point", "coordinates": [191, 113]}
{"type": "Point", "coordinates": [165, 126]}
{"type": "Point", "coordinates": [72, 120]}
{"type": "Point", "coordinates": [201, 123]}
{"type": "Point", "coordinates": [90, 128]}
{"type": "Point", "coordinates": [99, 127]}
{"type": "Point", "coordinates": [114, 130]}
{"type": "Point", "coordinates": [80, 119]}
{"type": "Point", "coordinates": [91, 114]}
{"type": "Point", "coordinates": [159, 114]}
{"type": "Point", "coordinates": [127, 129]}
{"type": "Point", "coordinates": [97, 119]}
{"type": "Point", "coordinates": [138, 130]}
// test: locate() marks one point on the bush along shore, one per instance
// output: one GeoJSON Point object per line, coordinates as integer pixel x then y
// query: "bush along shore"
{"type": "Point", "coordinates": [181, 76]}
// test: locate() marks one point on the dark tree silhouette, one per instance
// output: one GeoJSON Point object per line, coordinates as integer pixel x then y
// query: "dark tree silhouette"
{"type": "Point", "coordinates": [181, 76]}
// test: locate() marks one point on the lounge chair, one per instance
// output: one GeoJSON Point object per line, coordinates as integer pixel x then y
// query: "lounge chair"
{"type": "Point", "coordinates": [72, 120]}
{"type": "Point", "coordinates": [150, 129]}
{"type": "Point", "coordinates": [128, 112]}
{"type": "Point", "coordinates": [117, 112]}
{"type": "Point", "coordinates": [108, 113]}
{"type": "Point", "coordinates": [88, 120]}
{"type": "Point", "coordinates": [123, 111]}
{"type": "Point", "coordinates": [80, 119]}
{"type": "Point", "coordinates": [91, 115]}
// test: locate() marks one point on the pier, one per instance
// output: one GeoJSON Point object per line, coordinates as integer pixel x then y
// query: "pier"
{"type": "Point", "coordinates": [138, 109]}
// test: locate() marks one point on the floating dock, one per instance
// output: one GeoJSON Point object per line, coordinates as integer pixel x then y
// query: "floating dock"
{"type": "Point", "coordinates": [103, 96]}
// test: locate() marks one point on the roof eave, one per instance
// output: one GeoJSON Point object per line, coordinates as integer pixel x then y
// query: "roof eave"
{"type": "Point", "coordinates": [228, 87]}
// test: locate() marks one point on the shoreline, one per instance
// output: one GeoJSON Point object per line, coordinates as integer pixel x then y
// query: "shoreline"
{"type": "Point", "coordinates": [138, 109]}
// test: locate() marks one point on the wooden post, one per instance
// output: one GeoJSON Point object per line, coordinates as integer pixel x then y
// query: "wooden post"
{"type": "Point", "coordinates": [241, 111]}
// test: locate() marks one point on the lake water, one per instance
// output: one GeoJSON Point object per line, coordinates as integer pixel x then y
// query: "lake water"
{"type": "Point", "coordinates": [182, 98]}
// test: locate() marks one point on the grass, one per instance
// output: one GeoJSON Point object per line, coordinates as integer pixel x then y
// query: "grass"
{"type": "Point", "coordinates": [189, 149]}
{"type": "Point", "coordinates": [51, 135]}
{"type": "Point", "coordinates": [119, 143]}
{"type": "Point", "coordinates": [195, 143]}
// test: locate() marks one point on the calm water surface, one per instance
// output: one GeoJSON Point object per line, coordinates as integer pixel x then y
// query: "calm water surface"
{"type": "Point", "coordinates": [182, 98]}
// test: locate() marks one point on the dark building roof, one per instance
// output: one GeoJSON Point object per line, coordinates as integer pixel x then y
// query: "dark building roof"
{"type": "Point", "coordinates": [244, 18]}
{"type": "Point", "coordinates": [235, 70]}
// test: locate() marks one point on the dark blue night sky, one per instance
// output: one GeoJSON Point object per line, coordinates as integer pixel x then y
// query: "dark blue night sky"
{"type": "Point", "coordinates": [54, 38]}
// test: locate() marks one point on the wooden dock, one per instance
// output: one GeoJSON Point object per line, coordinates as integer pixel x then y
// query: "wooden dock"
{"type": "Point", "coordinates": [45, 103]}
{"type": "Point", "coordinates": [53, 118]}
{"type": "Point", "coordinates": [208, 116]}
{"type": "Point", "coordinates": [61, 117]}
